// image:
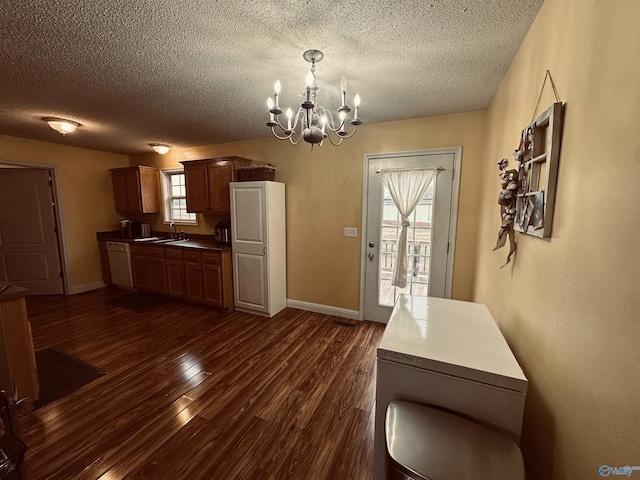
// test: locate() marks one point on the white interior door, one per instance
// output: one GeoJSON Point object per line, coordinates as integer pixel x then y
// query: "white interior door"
{"type": "Point", "coordinates": [430, 238]}
{"type": "Point", "coordinates": [29, 252]}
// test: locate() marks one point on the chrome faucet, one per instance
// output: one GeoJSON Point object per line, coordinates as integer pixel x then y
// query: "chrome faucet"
{"type": "Point", "coordinates": [172, 226]}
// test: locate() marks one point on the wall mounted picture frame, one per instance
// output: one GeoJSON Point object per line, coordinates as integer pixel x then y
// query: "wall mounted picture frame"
{"type": "Point", "coordinates": [539, 154]}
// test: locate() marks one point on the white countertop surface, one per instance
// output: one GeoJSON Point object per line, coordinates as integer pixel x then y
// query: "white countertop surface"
{"type": "Point", "coordinates": [450, 337]}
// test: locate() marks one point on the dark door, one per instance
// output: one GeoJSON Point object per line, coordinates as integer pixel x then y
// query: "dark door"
{"type": "Point", "coordinates": [29, 251]}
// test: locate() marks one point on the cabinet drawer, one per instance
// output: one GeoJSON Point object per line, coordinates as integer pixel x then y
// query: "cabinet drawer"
{"type": "Point", "coordinates": [148, 250]}
{"type": "Point", "coordinates": [138, 249]}
{"type": "Point", "coordinates": [212, 257]}
{"type": "Point", "coordinates": [157, 252]}
{"type": "Point", "coordinates": [173, 253]}
{"type": "Point", "coordinates": [192, 256]}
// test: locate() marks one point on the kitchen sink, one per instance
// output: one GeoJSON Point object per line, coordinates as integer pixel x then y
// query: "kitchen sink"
{"type": "Point", "coordinates": [170, 240]}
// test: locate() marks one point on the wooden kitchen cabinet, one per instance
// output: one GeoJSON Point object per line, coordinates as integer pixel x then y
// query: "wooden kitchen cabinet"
{"type": "Point", "coordinates": [157, 275]}
{"type": "Point", "coordinates": [148, 268]}
{"type": "Point", "coordinates": [175, 272]}
{"type": "Point", "coordinates": [18, 369]}
{"type": "Point", "coordinates": [193, 276]}
{"type": "Point", "coordinates": [208, 277]}
{"type": "Point", "coordinates": [136, 189]}
{"type": "Point", "coordinates": [200, 276]}
{"type": "Point", "coordinates": [140, 271]}
{"type": "Point", "coordinates": [207, 183]}
{"type": "Point", "coordinates": [217, 279]}
{"type": "Point", "coordinates": [104, 263]}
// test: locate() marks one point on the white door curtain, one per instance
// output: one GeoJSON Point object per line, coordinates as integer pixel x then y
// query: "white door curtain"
{"type": "Point", "coordinates": [407, 187]}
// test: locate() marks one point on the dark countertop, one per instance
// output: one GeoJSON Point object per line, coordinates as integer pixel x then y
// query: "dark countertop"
{"type": "Point", "coordinates": [12, 293]}
{"type": "Point", "coordinates": [195, 241]}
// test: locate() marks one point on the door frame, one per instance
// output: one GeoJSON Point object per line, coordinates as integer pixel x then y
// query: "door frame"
{"type": "Point", "coordinates": [453, 213]}
{"type": "Point", "coordinates": [58, 214]}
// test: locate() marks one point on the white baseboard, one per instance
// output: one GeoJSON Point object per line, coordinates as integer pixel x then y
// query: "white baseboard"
{"type": "Point", "coordinates": [326, 309]}
{"type": "Point", "coordinates": [85, 288]}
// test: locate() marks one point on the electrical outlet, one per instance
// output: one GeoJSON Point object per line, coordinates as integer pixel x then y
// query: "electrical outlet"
{"type": "Point", "coordinates": [350, 232]}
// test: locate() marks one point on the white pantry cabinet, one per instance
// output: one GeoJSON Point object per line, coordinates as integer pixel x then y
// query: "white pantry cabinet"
{"type": "Point", "coordinates": [258, 242]}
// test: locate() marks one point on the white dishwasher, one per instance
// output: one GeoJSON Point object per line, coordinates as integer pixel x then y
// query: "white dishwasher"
{"type": "Point", "coordinates": [120, 264]}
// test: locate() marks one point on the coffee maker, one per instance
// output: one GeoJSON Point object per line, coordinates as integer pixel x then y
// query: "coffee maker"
{"type": "Point", "coordinates": [130, 228]}
{"type": "Point", "coordinates": [223, 232]}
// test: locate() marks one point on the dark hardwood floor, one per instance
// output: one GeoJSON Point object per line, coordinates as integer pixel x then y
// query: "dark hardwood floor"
{"type": "Point", "coordinates": [195, 394]}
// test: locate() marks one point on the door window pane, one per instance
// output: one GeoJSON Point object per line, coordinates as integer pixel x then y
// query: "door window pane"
{"type": "Point", "coordinates": [418, 248]}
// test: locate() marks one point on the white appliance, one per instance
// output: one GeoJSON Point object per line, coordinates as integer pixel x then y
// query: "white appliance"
{"type": "Point", "coordinates": [258, 243]}
{"type": "Point", "coordinates": [120, 264]}
{"type": "Point", "coordinates": [450, 354]}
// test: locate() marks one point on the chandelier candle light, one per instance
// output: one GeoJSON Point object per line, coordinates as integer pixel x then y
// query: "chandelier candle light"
{"type": "Point", "coordinates": [316, 122]}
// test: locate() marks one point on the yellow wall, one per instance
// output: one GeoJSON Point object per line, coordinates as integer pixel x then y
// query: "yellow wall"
{"type": "Point", "coordinates": [570, 306]}
{"type": "Point", "coordinates": [324, 195]}
{"type": "Point", "coordinates": [87, 204]}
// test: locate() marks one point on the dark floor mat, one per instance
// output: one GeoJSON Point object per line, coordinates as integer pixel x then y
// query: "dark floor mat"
{"type": "Point", "coordinates": [60, 374]}
{"type": "Point", "coordinates": [139, 302]}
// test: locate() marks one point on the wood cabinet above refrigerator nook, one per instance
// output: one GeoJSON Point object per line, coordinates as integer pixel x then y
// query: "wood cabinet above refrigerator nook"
{"type": "Point", "coordinates": [207, 183]}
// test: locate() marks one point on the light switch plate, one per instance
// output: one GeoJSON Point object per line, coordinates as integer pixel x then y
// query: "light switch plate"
{"type": "Point", "coordinates": [350, 232]}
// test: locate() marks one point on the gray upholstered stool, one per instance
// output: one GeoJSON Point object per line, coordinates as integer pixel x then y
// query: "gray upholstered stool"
{"type": "Point", "coordinates": [424, 443]}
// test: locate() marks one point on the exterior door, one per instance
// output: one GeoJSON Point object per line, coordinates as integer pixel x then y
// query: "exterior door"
{"type": "Point", "coordinates": [29, 252]}
{"type": "Point", "coordinates": [430, 237]}
{"type": "Point", "coordinates": [248, 237]}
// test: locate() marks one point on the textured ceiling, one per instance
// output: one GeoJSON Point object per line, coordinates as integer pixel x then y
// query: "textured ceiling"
{"type": "Point", "coordinates": [196, 72]}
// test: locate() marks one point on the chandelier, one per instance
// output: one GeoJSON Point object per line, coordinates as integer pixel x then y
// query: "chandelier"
{"type": "Point", "coordinates": [315, 122]}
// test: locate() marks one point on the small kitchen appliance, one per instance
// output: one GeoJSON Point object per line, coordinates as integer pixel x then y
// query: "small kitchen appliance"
{"type": "Point", "coordinates": [130, 228]}
{"type": "Point", "coordinates": [223, 232]}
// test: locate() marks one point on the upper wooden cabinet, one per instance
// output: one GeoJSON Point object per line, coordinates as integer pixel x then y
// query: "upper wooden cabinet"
{"type": "Point", "coordinates": [207, 183]}
{"type": "Point", "coordinates": [136, 189]}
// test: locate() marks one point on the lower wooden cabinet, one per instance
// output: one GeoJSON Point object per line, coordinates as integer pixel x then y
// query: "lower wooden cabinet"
{"type": "Point", "coordinates": [193, 276]}
{"type": "Point", "coordinates": [212, 283]}
{"type": "Point", "coordinates": [18, 370]}
{"type": "Point", "coordinates": [140, 271]}
{"type": "Point", "coordinates": [199, 276]}
{"type": "Point", "coordinates": [148, 268]}
{"type": "Point", "coordinates": [175, 272]}
{"type": "Point", "coordinates": [158, 275]}
{"type": "Point", "coordinates": [104, 263]}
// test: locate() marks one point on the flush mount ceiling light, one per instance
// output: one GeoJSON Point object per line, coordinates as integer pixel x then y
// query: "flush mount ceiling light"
{"type": "Point", "coordinates": [160, 148]}
{"type": "Point", "coordinates": [316, 122]}
{"type": "Point", "coordinates": [61, 125]}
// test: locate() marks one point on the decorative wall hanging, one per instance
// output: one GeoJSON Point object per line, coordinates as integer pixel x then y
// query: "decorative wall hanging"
{"type": "Point", "coordinates": [528, 193]}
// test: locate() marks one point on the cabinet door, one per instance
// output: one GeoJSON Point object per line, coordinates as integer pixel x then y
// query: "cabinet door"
{"type": "Point", "coordinates": [120, 191]}
{"type": "Point", "coordinates": [104, 263]}
{"type": "Point", "coordinates": [175, 278]}
{"type": "Point", "coordinates": [193, 281]}
{"type": "Point", "coordinates": [250, 281]}
{"type": "Point", "coordinates": [219, 178]}
{"type": "Point", "coordinates": [134, 195]}
{"type": "Point", "coordinates": [195, 177]}
{"type": "Point", "coordinates": [157, 276]}
{"type": "Point", "coordinates": [212, 283]}
{"type": "Point", "coordinates": [140, 268]}
{"type": "Point", "coordinates": [17, 350]}
{"type": "Point", "coordinates": [149, 190]}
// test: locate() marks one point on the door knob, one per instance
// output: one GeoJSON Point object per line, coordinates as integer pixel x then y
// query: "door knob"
{"type": "Point", "coordinates": [371, 245]}
{"type": "Point", "coordinates": [371, 255]}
